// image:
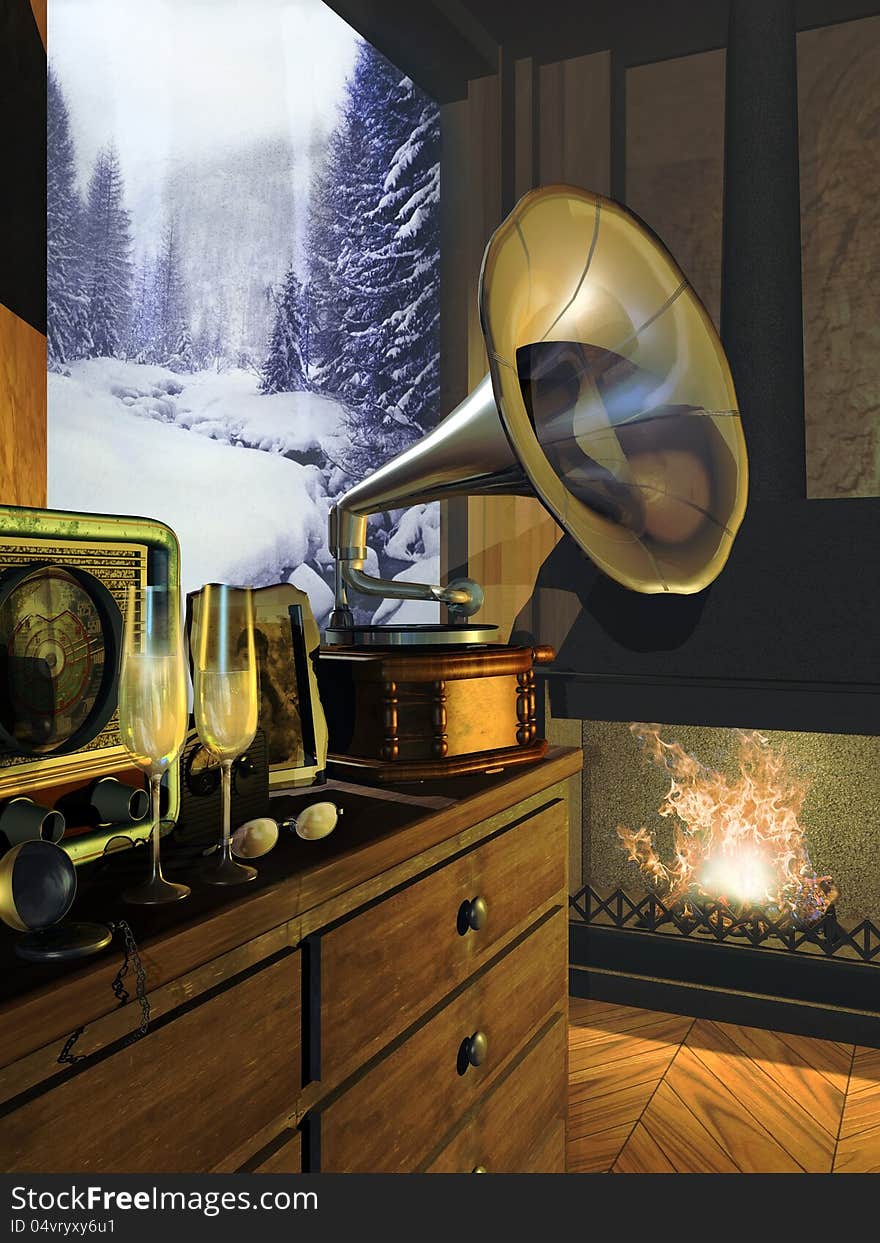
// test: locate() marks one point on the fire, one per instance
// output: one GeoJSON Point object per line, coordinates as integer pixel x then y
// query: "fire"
{"type": "Point", "coordinates": [736, 839]}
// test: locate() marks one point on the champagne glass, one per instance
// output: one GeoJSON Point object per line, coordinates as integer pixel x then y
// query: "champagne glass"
{"type": "Point", "coordinates": [226, 698]}
{"type": "Point", "coordinates": [152, 711]}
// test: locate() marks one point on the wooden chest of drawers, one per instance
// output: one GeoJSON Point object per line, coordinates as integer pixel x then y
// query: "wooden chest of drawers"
{"type": "Point", "coordinates": [114, 1113]}
{"type": "Point", "coordinates": [395, 1002]}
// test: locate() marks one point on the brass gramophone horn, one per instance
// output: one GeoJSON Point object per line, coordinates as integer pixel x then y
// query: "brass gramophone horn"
{"type": "Point", "coordinates": [608, 396]}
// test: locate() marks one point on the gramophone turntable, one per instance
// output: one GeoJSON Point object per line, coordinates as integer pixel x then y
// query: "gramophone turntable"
{"type": "Point", "coordinates": [608, 397]}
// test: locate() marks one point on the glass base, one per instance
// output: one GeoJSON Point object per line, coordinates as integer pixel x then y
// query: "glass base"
{"type": "Point", "coordinates": [155, 892]}
{"type": "Point", "coordinates": [229, 873]}
{"type": "Point", "coordinates": [63, 942]}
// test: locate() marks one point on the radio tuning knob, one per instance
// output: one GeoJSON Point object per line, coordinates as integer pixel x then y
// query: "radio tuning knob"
{"type": "Point", "coordinates": [245, 775]}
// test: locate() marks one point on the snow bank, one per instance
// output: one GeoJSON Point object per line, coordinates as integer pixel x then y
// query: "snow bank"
{"type": "Point", "coordinates": [205, 453]}
{"type": "Point", "coordinates": [411, 612]}
{"type": "Point", "coordinates": [417, 534]}
{"type": "Point", "coordinates": [320, 595]}
{"type": "Point", "coordinates": [241, 515]}
{"type": "Point", "coordinates": [224, 405]}
{"type": "Point", "coordinates": [227, 406]}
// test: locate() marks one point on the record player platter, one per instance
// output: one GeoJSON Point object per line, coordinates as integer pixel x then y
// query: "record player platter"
{"type": "Point", "coordinates": [434, 635]}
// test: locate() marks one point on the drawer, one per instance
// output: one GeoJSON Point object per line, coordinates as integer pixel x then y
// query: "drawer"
{"type": "Point", "coordinates": [513, 1129]}
{"type": "Point", "coordinates": [283, 1157]}
{"type": "Point", "coordinates": [383, 968]}
{"type": "Point", "coordinates": [180, 1099]}
{"type": "Point", "coordinates": [548, 1154]}
{"type": "Point", "coordinates": [392, 1117]}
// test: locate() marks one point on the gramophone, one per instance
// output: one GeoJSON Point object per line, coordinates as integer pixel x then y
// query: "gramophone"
{"type": "Point", "coordinates": [608, 397]}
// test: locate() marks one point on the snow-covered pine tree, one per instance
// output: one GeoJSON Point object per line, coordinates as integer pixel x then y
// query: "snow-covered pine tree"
{"type": "Point", "coordinates": [107, 257]}
{"type": "Point", "coordinates": [217, 335]}
{"type": "Point", "coordinates": [168, 295]}
{"type": "Point", "coordinates": [67, 334]}
{"type": "Point", "coordinates": [373, 231]}
{"type": "Point", "coordinates": [331, 203]}
{"type": "Point", "coordinates": [209, 337]}
{"type": "Point", "coordinates": [355, 274]}
{"type": "Point", "coordinates": [410, 376]}
{"type": "Point", "coordinates": [182, 358]}
{"type": "Point", "coordinates": [284, 369]}
{"type": "Point", "coordinates": [141, 331]}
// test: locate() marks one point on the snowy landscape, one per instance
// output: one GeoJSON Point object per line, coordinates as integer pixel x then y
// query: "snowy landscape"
{"type": "Point", "coordinates": [241, 326]}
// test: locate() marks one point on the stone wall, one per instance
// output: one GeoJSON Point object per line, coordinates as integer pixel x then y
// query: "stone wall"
{"type": "Point", "coordinates": [839, 123]}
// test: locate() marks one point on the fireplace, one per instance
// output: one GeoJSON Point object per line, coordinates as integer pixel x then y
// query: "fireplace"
{"type": "Point", "coordinates": [732, 874]}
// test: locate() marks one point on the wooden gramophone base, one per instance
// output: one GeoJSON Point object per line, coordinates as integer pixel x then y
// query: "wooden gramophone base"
{"type": "Point", "coordinates": [352, 767]}
{"type": "Point", "coordinates": [415, 715]}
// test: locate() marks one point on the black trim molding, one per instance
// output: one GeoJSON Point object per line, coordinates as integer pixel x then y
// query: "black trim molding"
{"type": "Point", "coordinates": [23, 160]}
{"type": "Point", "coordinates": [832, 1000]}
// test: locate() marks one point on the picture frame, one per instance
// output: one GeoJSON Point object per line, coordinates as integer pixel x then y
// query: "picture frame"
{"type": "Point", "coordinates": [291, 715]}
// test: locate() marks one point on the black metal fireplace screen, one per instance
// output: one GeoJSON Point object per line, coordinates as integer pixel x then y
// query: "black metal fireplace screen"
{"type": "Point", "coordinates": [709, 919]}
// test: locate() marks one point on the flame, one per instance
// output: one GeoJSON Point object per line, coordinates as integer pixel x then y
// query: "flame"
{"type": "Point", "coordinates": [737, 839]}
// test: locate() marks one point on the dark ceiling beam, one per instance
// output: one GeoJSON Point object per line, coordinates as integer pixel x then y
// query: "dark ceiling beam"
{"type": "Point", "coordinates": [639, 31]}
{"type": "Point", "coordinates": [812, 13]}
{"type": "Point", "coordinates": [440, 44]}
{"type": "Point", "coordinates": [459, 16]}
{"type": "Point", "coordinates": [642, 29]}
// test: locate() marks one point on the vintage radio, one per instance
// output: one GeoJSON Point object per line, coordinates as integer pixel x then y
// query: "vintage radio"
{"type": "Point", "coordinates": [63, 581]}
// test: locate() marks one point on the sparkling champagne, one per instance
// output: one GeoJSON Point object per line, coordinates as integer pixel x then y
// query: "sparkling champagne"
{"type": "Point", "coordinates": [226, 709]}
{"type": "Point", "coordinates": [152, 712]}
{"type": "Point", "coordinates": [152, 709]}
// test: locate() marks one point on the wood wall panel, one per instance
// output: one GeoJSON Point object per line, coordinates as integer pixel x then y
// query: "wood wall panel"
{"type": "Point", "coordinates": [481, 174]}
{"type": "Point", "coordinates": [675, 162]}
{"type": "Point", "coordinates": [575, 122]}
{"type": "Point", "coordinates": [525, 107]}
{"type": "Point", "coordinates": [455, 289]}
{"type": "Point", "coordinates": [564, 135]}
{"type": "Point", "coordinates": [22, 412]}
{"type": "Point", "coordinates": [38, 8]}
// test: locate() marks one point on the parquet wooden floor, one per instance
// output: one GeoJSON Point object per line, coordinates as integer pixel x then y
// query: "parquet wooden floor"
{"type": "Point", "coordinates": [653, 1093]}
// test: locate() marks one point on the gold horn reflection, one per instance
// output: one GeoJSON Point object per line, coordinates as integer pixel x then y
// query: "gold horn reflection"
{"type": "Point", "coordinates": [611, 400]}
{"type": "Point", "coordinates": [614, 389]}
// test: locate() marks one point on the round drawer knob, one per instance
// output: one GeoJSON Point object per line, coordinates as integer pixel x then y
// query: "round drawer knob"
{"type": "Point", "coordinates": [477, 1048]}
{"type": "Point", "coordinates": [472, 1051]}
{"type": "Point", "coordinates": [479, 1169]}
{"type": "Point", "coordinates": [473, 915]}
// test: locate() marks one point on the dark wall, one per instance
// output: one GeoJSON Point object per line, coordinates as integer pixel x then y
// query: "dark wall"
{"type": "Point", "coordinates": [787, 636]}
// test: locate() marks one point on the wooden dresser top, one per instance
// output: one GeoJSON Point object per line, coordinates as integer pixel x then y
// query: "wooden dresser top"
{"type": "Point", "coordinates": [385, 836]}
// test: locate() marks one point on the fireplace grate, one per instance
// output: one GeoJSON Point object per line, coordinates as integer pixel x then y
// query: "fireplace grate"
{"type": "Point", "coordinates": [710, 919]}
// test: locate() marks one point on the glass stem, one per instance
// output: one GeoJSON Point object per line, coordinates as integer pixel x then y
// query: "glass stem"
{"type": "Point", "coordinates": [226, 787]}
{"type": "Point", "coordinates": [155, 811]}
